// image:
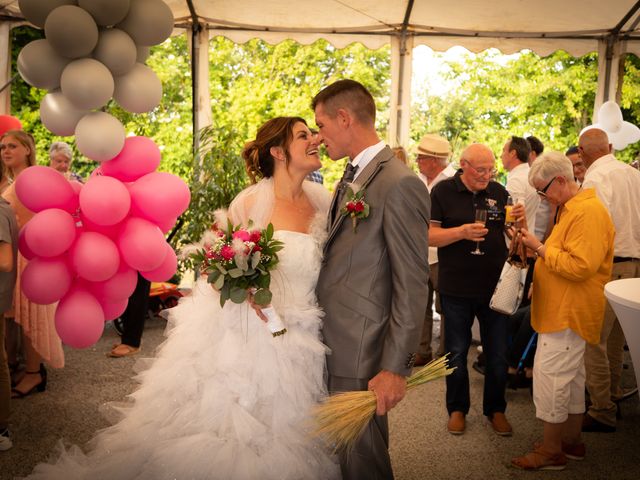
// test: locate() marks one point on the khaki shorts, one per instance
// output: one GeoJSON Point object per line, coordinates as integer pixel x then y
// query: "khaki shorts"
{"type": "Point", "coordinates": [558, 376]}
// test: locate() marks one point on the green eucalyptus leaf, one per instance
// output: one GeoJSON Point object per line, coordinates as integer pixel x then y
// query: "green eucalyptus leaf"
{"type": "Point", "coordinates": [238, 295]}
{"type": "Point", "coordinates": [262, 297]}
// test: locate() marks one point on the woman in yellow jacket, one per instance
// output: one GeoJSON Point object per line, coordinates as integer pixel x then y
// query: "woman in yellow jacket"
{"type": "Point", "coordinates": [567, 307]}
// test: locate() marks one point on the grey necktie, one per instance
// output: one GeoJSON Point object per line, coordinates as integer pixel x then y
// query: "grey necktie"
{"type": "Point", "coordinates": [347, 177]}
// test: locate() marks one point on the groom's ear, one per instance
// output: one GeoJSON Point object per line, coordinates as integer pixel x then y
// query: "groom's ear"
{"type": "Point", "coordinates": [344, 117]}
{"type": "Point", "coordinates": [277, 153]}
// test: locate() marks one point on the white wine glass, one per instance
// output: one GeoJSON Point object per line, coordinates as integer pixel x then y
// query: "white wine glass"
{"type": "Point", "coordinates": [481, 218]}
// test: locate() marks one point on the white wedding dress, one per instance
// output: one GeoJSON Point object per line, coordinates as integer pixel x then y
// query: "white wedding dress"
{"type": "Point", "coordinates": [224, 399]}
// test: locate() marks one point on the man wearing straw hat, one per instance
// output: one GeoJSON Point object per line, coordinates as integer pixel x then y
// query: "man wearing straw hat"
{"type": "Point", "coordinates": [433, 163]}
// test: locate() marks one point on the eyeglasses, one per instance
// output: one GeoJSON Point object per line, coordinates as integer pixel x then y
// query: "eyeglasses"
{"type": "Point", "coordinates": [481, 171]}
{"type": "Point", "coordinates": [543, 192]}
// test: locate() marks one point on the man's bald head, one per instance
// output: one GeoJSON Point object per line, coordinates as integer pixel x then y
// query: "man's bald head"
{"type": "Point", "coordinates": [593, 144]}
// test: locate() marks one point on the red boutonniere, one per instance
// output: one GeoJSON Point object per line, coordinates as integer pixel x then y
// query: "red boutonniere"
{"type": "Point", "coordinates": [355, 206]}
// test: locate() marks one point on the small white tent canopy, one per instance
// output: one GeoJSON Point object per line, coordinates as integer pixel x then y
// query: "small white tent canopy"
{"type": "Point", "coordinates": [577, 26]}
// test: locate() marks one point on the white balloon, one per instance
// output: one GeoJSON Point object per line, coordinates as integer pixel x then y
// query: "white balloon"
{"type": "Point", "coordinates": [59, 115]}
{"type": "Point", "coordinates": [116, 51]}
{"type": "Point", "coordinates": [106, 12]}
{"type": "Point", "coordinates": [610, 116]}
{"type": "Point", "coordinates": [40, 65]}
{"type": "Point", "coordinates": [149, 22]}
{"type": "Point", "coordinates": [36, 11]}
{"type": "Point", "coordinates": [71, 31]}
{"type": "Point", "coordinates": [138, 91]}
{"type": "Point", "coordinates": [99, 136]}
{"type": "Point", "coordinates": [87, 83]}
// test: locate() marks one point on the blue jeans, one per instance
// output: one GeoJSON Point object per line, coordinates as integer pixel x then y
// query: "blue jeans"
{"type": "Point", "coordinates": [460, 313]}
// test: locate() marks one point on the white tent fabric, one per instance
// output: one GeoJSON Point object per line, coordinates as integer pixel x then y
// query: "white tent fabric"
{"type": "Point", "coordinates": [610, 28]}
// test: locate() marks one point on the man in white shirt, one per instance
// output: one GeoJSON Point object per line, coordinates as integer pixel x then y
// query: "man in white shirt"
{"type": "Point", "coordinates": [433, 163]}
{"type": "Point", "coordinates": [618, 187]}
{"type": "Point", "coordinates": [515, 156]}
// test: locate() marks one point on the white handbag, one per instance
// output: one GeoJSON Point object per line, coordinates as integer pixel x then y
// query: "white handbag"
{"type": "Point", "coordinates": [509, 290]}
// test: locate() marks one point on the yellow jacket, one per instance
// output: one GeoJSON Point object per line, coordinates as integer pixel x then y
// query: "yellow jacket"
{"type": "Point", "coordinates": [568, 284]}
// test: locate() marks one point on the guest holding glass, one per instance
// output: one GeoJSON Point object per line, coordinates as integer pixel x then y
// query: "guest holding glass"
{"type": "Point", "coordinates": [40, 340]}
{"type": "Point", "coordinates": [467, 278]}
{"type": "Point", "coordinates": [567, 307]}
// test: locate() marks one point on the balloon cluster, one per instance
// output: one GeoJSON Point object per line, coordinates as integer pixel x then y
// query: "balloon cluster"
{"type": "Point", "coordinates": [94, 50]}
{"type": "Point", "coordinates": [620, 132]}
{"type": "Point", "coordinates": [86, 242]}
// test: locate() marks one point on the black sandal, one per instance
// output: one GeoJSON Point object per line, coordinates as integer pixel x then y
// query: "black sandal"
{"type": "Point", "coordinates": [40, 387]}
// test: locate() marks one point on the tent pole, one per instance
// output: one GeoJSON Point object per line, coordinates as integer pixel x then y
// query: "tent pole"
{"type": "Point", "coordinates": [5, 68]}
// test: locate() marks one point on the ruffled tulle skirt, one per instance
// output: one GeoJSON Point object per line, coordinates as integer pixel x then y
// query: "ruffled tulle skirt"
{"type": "Point", "coordinates": [222, 400]}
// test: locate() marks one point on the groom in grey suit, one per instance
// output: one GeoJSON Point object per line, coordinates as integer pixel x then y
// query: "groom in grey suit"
{"type": "Point", "coordinates": [373, 281]}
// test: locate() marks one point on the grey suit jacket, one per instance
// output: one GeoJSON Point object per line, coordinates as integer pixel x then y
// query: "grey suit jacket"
{"type": "Point", "coordinates": [373, 283]}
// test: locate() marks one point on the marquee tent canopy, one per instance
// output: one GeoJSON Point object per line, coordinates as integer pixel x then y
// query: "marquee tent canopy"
{"type": "Point", "coordinates": [610, 28]}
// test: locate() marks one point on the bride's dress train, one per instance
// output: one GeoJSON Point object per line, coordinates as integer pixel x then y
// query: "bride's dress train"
{"type": "Point", "coordinates": [223, 399]}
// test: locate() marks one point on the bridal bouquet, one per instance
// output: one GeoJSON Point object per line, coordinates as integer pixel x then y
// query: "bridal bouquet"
{"type": "Point", "coordinates": [238, 262]}
{"type": "Point", "coordinates": [341, 418]}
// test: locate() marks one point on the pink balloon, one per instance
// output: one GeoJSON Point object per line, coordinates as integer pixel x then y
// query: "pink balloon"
{"type": "Point", "coordinates": [105, 200]}
{"type": "Point", "coordinates": [118, 287]}
{"type": "Point", "coordinates": [22, 243]}
{"type": "Point", "coordinates": [46, 280]}
{"type": "Point", "coordinates": [79, 319]}
{"type": "Point", "coordinates": [95, 257]}
{"type": "Point", "coordinates": [166, 270]}
{"type": "Point", "coordinates": [167, 224]}
{"type": "Point", "coordinates": [7, 122]}
{"type": "Point", "coordinates": [111, 231]}
{"type": "Point", "coordinates": [51, 232]}
{"type": "Point", "coordinates": [97, 172]}
{"type": "Point", "coordinates": [141, 244]}
{"type": "Point", "coordinates": [139, 156]}
{"type": "Point", "coordinates": [40, 188]}
{"type": "Point", "coordinates": [77, 186]}
{"type": "Point", "coordinates": [160, 196]}
{"type": "Point", "coordinates": [113, 308]}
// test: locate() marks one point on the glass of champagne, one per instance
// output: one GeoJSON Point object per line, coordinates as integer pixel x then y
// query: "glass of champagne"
{"type": "Point", "coordinates": [481, 218]}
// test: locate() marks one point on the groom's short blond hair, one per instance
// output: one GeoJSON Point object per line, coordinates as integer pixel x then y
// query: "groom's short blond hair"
{"type": "Point", "coordinates": [350, 95]}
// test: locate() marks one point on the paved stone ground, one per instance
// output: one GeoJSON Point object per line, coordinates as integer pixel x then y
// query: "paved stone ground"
{"type": "Point", "coordinates": [420, 447]}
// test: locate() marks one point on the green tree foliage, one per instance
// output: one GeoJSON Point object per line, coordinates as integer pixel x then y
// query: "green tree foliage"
{"type": "Point", "coordinates": [551, 98]}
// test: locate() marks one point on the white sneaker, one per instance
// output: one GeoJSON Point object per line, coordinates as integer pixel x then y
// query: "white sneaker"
{"type": "Point", "coordinates": [5, 440]}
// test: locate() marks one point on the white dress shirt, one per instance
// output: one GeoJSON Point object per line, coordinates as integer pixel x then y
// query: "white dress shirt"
{"type": "Point", "coordinates": [448, 172]}
{"type": "Point", "coordinates": [364, 157]}
{"type": "Point", "coordinates": [618, 188]}
{"type": "Point", "coordinates": [521, 190]}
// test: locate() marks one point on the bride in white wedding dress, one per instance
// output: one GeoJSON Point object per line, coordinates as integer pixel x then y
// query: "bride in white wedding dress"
{"type": "Point", "coordinates": [224, 399]}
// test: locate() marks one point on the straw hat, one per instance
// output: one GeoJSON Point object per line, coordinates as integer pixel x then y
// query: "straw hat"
{"type": "Point", "coordinates": [435, 146]}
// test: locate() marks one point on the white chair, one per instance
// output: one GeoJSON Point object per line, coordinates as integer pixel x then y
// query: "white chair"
{"type": "Point", "coordinates": [624, 297]}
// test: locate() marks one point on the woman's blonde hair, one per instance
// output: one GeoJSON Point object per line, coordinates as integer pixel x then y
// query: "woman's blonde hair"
{"type": "Point", "coordinates": [26, 140]}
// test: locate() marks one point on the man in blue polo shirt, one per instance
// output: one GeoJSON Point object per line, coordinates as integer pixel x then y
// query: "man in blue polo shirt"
{"type": "Point", "coordinates": [467, 281]}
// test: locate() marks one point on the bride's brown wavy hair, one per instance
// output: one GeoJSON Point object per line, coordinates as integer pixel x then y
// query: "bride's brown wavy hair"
{"type": "Point", "coordinates": [277, 132]}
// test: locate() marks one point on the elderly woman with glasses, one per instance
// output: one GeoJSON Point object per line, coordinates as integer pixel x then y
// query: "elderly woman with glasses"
{"type": "Point", "coordinates": [60, 159]}
{"type": "Point", "coordinates": [567, 307]}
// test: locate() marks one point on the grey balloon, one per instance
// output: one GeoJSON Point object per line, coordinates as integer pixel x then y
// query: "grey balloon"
{"type": "Point", "coordinates": [59, 115]}
{"type": "Point", "coordinates": [138, 91]}
{"type": "Point", "coordinates": [40, 65]}
{"type": "Point", "coordinates": [116, 51]}
{"type": "Point", "coordinates": [143, 53]}
{"type": "Point", "coordinates": [99, 136]}
{"type": "Point", "coordinates": [106, 12]}
{"type": "Point", "coordinates": [87, 83]}
{"type": "Point", "coordinates": [149, 22]}
{"type": "Point", "coordinates": [71, 31]}
{"type": "Point", "coordinates": [37, 11]}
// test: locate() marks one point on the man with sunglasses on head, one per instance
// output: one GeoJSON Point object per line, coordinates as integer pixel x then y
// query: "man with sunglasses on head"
{"type": "Point", "coordinates": [467, 281]}
{"type": "Point", "coordinates": [618, 188]}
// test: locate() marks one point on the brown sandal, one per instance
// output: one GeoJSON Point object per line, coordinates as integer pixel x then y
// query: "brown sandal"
{"type": "Point", "coordinates": [122, 350]}
{"type": "Point", "coordinates": [540, 460]}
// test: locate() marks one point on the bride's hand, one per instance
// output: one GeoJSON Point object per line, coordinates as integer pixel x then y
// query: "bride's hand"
{"type": "Point", "coordinates": [256, 307]}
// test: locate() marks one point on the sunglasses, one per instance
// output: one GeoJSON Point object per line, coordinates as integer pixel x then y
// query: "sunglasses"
{"type": "Point", "coordinates": [543, 192]}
